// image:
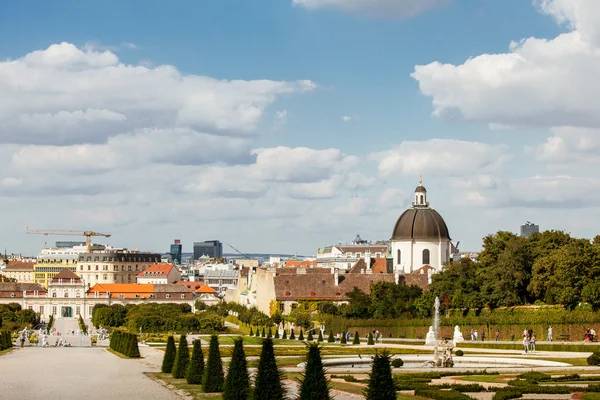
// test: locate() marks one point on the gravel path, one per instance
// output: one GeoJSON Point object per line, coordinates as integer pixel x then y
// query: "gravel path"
{"type": "Point", "coordinates": [72, 373]}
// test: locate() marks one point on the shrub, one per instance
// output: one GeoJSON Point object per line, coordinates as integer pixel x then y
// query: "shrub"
{"type": "Point", "coordinates": [356, 338]}
{"type": "Point", "coordinates": [507, 394]}
{"type": "Point", "coordinates": [344, 341]}
{"type": "Point", "coordinates": [276, 333]}
{"type": "Point", "coordinates": [251, 333]}
{"type": "Point", "coordinates": [381, 384]}
{"type": "Point", "coordinates": [310, 337]}
{"type": "Point", "coordinates": [196, 367]}
{"type": "Point", "coordinates": [213, 373]}
{"type": "Point", "coordinates": [459, 353]}
{"type": "Point", "coordinates": [181, 360]}
{"type": "Point", "coordinates": [535, 376]}
{"type": "Point", "coordinates": [169, 358]}
{"type": "Point", "coordinates": [257, 332]}
{"type": "Point", "coordinates": [397, 362]}
{"type": "Point", "coordinates": [320, 338]}
{"type": "Point", "coordinates": [370, 341]}
{"type": "Point", "coordinates": [270, 333]}
{"type": "Point", "coordinates": [267, 384]}
{"type": "Point", "coordinates": [441, 394]}
{"type": "Point", "coordinates": [301, 336]}
{"type": "Point", "coordinates": [263, 334]}
{"type": "Point", "coordinates": [133, 350]}
{"type": "Point", "coordinates": [292, 335]}
{"type": "Point", "coordinates": [237, 384]}
{"type": "Point", "coordinates": [284, 336]}
{"type": "Point", "coordinates": [314, 385]}
{"type": "Point", "coordinates": [594, 359]}
{"type": "Point", "coordinates": [331, 338]}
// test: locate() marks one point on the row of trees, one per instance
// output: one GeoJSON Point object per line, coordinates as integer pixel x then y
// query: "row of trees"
{"type": "Point", "coordinates": [125, 343]}
{"type": "Point", "coordinates": [154, 317]}
{"type": "Point", "coordinates": [5, 340]}
{"type": "Point", "coordinates": [12, 314]}
{"type": "Point", "coordinates": [314, 384]}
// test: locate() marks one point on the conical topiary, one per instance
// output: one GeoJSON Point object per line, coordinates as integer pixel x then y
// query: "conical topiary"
{"type": "Point", "coordinates": [182, 359]}
{"type": "Point", "coordinates": [331, 338]}
{"type": "Point", "coordinates": [196, 367]}
{"type": "Point", "coordinates": [133, 350]}
{"type": "Point", "coordinates": [213, 373]}
{"type": "Point", "coordinates": [251, 333]}
{"type": "Point", "coordinates": [267, 384]}
{"type": "Point", "coordinates": [320, 338]}
{"type": "Point", "coordinates": [237, 384]}
{"type": "Point", "coordinates": [284, 336]}
{"type": "Point", "coordinates": [301, 336]}
{"type": "Point", "coordinates": [292, 335]}
{"type": "Point", "coordinates": [310, 336]}
{"type": "Point", "coordinates": [257, 332]}
{"type": "Point", "coordinates": [314, 384]}
{"type": "Point", "coordinates": [381, 384]}
{"type": "Point", "coordinates": [276, 333]}
{"type": "Point", "coordinates": [370, 341]}
{"type": "Point", "coordinates": [169, 358]}
{"type": "Point", "coordinates": [356, 338]}
{"type": "Point", "coordinates": [263, 334]}
{"type": "Point", "coordinates": [270, 333]}
{"type": "Point", "coordinates": [344, 341]}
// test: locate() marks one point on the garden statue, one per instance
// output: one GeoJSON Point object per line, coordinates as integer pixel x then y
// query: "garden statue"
{"type": "Point", "coordinates": [430, 339]}
{"type": "Point", "coordinates": [458, 336]}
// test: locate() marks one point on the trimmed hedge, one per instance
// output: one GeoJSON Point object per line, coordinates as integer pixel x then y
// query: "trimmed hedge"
{"type": "Point", "coordinates": [125, 343]}
{"type": "Point", "coordinates": [5, 340]}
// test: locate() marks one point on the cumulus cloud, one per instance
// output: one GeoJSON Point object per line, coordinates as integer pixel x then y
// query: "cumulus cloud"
{"type": "Point", "coordinates": [570, 146]}
{"type": "Point", "coordinates": [382, 8]}
{"type": "Point", "coordinates": [440, 157]}
{"type": "Point", "coordinates": [580, 15]}
{"type": "Point", "coordinates": [346, 118]}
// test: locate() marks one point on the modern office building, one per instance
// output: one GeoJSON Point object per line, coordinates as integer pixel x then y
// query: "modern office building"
{"type": "Point", "coordinates": [209, 248]}
{"type": "Point", "coordinates": [176, 251]}
{"type": "Point", "coordinates": [62, 244]}
{"type": "Point", "coordinates": [529, 228]}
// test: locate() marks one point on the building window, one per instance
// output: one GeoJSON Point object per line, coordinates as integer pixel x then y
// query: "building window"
{"type": "Point", "coordinates": [183, 296]}
{"type": "Point", "coordinates": [421, 199]}
{"type": "Point", "coordinates": [91, 311]}
{"type": "Point", "coordinates": [31, 308]}
{"type": "Point", "coordinates": [77, 294]}
{"type": "Point", "coordinates": [41, 310]}
{"type": "Point", "coordinates": [105, 277]}
{"type": "Point", "coordinates": [53, 310]}
{"type": "Point", "coordinates": [66, 294]}
{"type": "Point", "coordinates": [426, 256]}
{"type": "Point", "coordinates": [77, 311]}
{"type": "Point", "coordinates": [281, 307]}
{"type": "Point", "coordinates": [168, 296]}
{"type": "Point", "coordinates": [53, 294]}
{"type": "Point", "coordinates": [12, 295]}
{"type": "Point", "coordinates": [399, 256]}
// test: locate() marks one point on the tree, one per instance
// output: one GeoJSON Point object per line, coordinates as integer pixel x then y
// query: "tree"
{"type": "Point", "coordinates": [284, 336]}
{"type": "Point", "coordinates": [237, 384]}
{"type": "Point", "coordinates": [331, 338]}
{"type": "Point", "coordinates": [310, 336]}
{"type": "Point", "coordinates": [276, 333]}
{"type": "Point", "coordinates": [344, 341]}
{"type": "Point", "coordinates": [270, 333]}
{"type": "Point", "coordinates": [314, 384]}
{"type": "Point", "coordinates": [356, 338]}
{"type": "Point", "coordinates": [381, 384]}
{"type": "Point", "coordinates": [251, 333]}
{"type": "Point", "coordinates": [263, 332]}
{"type": "Point", "coordinates": [301, 337]}
{"type": "Point", "coordinates": [196, 367]}
{"type": "Point", "coordinates": [268, 385]}
{"type": "Point", "coordinates": [257, 331]}
{"type": "Point", "coordinates": [292, 335]}
{"type": "Point", "coordinates": [359, 304]}
{"type": "Point", "coordinates": [213, 373]}
{"type": "Point", "coordinates": [320, 338]}
{"type": "Point", "coordinates": [182, 359]}
{"type": "Point", "coordinates": [370, 341]}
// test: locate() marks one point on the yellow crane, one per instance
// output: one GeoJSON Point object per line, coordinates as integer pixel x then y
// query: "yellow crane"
{"type": "Point", "coordinates": [88, 235]}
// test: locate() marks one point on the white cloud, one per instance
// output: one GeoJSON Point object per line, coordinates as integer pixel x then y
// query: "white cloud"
{"type": "Point", "coordinates": [10, 182]}
{"type": "Point", "coordinates": [570, 147]}
{"type": "Point", "coordinates": [393, 198]}
{"type": "Point", "coordinates": [440, 157]}
{"type": "Point", "coordinates": [383, 8]}
{"type": "Point", "coordinates": [580, 15]}
{"type": "Point", "coordinates": [346, 118]}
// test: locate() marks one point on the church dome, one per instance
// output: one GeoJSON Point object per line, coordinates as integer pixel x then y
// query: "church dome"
{"type": "Point", "coordinates": [420, 222]}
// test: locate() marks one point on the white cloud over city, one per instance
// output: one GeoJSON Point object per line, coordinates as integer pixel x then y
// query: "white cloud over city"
{"type": "Point", "coordinates": [382, 8]}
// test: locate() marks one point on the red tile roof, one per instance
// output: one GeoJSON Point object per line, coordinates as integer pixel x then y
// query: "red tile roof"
{"type": "Point", "coordinates": [157, 270]}
{"type": "Point", "coordinates": [301, 264]}
{"type": "Point", "coordinates": [206, 289]}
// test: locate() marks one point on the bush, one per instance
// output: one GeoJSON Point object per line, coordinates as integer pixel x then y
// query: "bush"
{"type": "Point", "coordinates": [284, 336]}
{"type": "Point", "coordinates": [182, 359]}
{"type": "Point", "coordinates": [594, 359]}
{"type": "Point", "coordinates": [535, 376]}
{"type": "Point", "coordinates": [169, 358]}
{"type": "Point", "coordinates": [344, 341]}
{"type": "Point", "coordinates": [320, 338]}
{"type": "Point", "coordinates": [301, 337]}
{"type": "Point", "coordinates": [331, 338]}
{"type": "Point", "coordinates": [314, 384]}
{"type": "Point", "coordinates": [370, 341]}
{"type": "Point", "coordinates": [397, 362]}
{"type": "Point", "coordinates": [507, 394]}
{"type": "Point", "coordinates": [237, 384]}
{"type": "Point", "coordinates": [270, 333]}
{"type": "Point", "coordinates": [267, 384]}
{"type": "Point", "coordinates": [5, 340]}
{"type": "Point", "coordinates": [263, 334]}
{"type": "Point", "coordinates": [213, 374]}
{"type": "Point", "coordinates": [381, 384]}
{"type": "Point", "coordinates": [356, 338]}
{"type": "Point", "coordinates": [196, 367]}
{"type": "Point", "coordinates": [441, 394]}
{"type": "Point", "coordinates": [459, 353]}
{"type": "Point", "coordinates": [292, 335]}
{"type": "Point", "coordinates": [125, 343]}
{"type": "Point", "coordinates": [276, 333]}
{"type": "Point", "coordinates": [251, 333]}
{"type": "Point", "coordinates": [310, 337]}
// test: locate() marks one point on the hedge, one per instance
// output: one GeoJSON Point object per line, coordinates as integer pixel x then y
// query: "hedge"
{"type": "Point", "coordinates": [5, 340]}
{"type": "Point", "coordinates": [125, 343]}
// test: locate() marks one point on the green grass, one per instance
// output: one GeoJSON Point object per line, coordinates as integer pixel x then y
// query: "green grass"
{"type": "Point", "coordinates": [122, 355]}
{"type": "Point", "coordinates": [6, 351]}
{"type": "Point", "coordinates": [590, 396]}
{"type": "Point", "coordinates": [487, 378]}
{"type": "Point", "coordinates": [193, 391]}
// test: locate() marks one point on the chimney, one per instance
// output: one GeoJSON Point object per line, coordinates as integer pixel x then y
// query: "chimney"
{"type": "Point", "coordinates": [368, 259]}
{"type": "Point", "coordinates": [336, 277]}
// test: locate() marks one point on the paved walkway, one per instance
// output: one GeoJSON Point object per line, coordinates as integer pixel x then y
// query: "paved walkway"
{"type": "Point", "coordinates": [72, 373]}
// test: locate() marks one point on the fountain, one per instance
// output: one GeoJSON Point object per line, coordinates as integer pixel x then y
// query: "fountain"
{"type": "Point", "coordinates": [458, 336]}
{"type": "Point", "coordinates": [432, 339]}
{"type": "Point", "coordinates": [434, 331]}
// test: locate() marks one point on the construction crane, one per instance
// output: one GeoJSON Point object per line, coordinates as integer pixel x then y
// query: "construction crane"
{"type": "Point", "coordinates": [245, 255]}
{"type": "Point", "coordinates": [88, 235]}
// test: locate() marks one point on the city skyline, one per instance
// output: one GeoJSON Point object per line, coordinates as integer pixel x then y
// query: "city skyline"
{"type": "Point", "coordinates": [287, 125]}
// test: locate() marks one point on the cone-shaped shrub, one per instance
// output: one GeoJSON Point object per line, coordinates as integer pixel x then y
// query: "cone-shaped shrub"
{"type": "Point", "coordinates": [284, 336]}
{"type": "Point", "coordinates": [356, 338]}
{"type": "Point", "coordinates": [237, 384]}
{"type": "Point", "coordinates": [320, 338]}
{"type": "Point", "coordinates": [331, 338]}
{"type": "Point", "coordinates": [181, 361]}
{"type": "Point", "coordinates": [344, 341]}
{"type": "Point", "coordinates": [301, 336]}
{"type": "Point", "coordinates": [257, 332]}
{"type": "Point", "coordinates": [270, 333]}
{"type": "Point", "coordinates": [263, 334]}
{"type": "Point", "coordinates": [314, 385]}
{"type": "Point", "coordinates": [169, 358]}
{"type": "Point", "coordinates": [267, 385]}
{"type": "Point", "coordinates": [251, 333]}
{"type": "Point", "coordinates": [133, 350]}
{"type": "Point", "coordinates": [370, 340]}
{"type": "Point", "coordinates": [196, 367]}
{"type": "Point", "coordinates": [310, 336]}
{"type": "Point", "coordinates": [276, 333]}
{"type": "Point", "coordinates": [213, 373]}
{"type": "Point", "coordinates": [292, 335]}
{"type": "Point", "coordinates": [381, 384]}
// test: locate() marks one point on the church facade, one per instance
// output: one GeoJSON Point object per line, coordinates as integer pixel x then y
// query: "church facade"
{"type": "Point", "coordinates": [420, 237]}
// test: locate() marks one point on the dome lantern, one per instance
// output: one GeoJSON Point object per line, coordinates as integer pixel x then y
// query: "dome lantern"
{"type": "Point", "coordinates": [420, 195]}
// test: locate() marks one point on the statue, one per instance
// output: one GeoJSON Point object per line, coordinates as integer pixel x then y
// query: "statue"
{"type": "Point", "coordinates": [430, 338]}
{"type": "Point", "coordinates": [458, 336]}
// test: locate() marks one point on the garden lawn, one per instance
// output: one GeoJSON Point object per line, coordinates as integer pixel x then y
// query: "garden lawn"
{"type": "Point", "coordinates": [193, 391]}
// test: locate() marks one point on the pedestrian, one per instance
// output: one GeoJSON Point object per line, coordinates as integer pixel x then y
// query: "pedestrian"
{"type": "Point", "coordinates": [532, 343]}
{"type": "Point", "coordinates": [476, 334]}
{"type": "Point", "coordinates": [22, 337]}
{"type": "Point", "coordinates": [472, 335]}
{"type": "Point", "coordinates": [483, 335]}
{"type": "Point", "coordinates": [550, 333]}
{"type": "Point", "coordinates": [526, 343]}
{"type": "Point", "coordinates": [497, 335]}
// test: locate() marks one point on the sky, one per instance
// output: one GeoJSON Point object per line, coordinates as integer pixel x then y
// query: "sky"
{"type": "Point", "coordinates": [287, 125]}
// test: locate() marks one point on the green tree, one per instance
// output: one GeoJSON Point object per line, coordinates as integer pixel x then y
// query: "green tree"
{"type": "Point", "coordinates": [359, 304]}
{"type": "Point", "coordinates": [196, 367]}
{"type": "Point", "coordinates": [314, 384]}
{"type": "Point", "coordinates": [270, 333]}
{"type": "Point", "coordinates": [276, 333]}
{"type": "Point", "coordinates": [182, 359]}
{"type": "Point", "coordinates": [237, 384]}
{"type": "Point", "coordinates": [213, 373]}
{"type": "Point", "coordinates": [381, 384]}
{"type": "Point", "coordinates": [331, 338]}
{"type": "Point", "coordinates": [356, 338]}
{"type": "Point", "coordinates": [268, 385]}
{"type": "Point", "coordinates": [263, 334]}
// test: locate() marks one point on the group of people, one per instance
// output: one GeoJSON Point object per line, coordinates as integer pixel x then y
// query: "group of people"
{"type": "Point", "coordinates": [528, 340]}
{"type": "Point", "coordinates": [590, 335]}
{"type": "Point", "coordinates": [475, 336]}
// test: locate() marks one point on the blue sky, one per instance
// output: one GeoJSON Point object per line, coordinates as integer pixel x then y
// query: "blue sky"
{"type": "Point", "coordinates": [359, 63]}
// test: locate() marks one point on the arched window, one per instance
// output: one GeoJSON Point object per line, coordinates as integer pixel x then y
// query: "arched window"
{"type": "Point", "coordinates": [53, 294]}
{"type": "Point", "coordinates": [426, 256]}
{"type": "Point", "coordinates": [77, 294]}
{"type": "Point", "coordinates": [421, 199]}
{"type": "Point", "coordinates": [66, 294]}
{"type": "Point", "coordinates": [399, 257]}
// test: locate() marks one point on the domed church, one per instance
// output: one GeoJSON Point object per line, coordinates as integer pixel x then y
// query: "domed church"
{"type": "Point", "coordinates": [420, 236]}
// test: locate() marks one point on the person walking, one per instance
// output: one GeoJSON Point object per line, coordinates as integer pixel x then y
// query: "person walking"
{"type": "Point", "coordinates": [550, 333]}
{"type": "Point", "coordinates": [497, 335]}
{"type": "Point", "coordinates": [526, 343]}
{"type": "Point", "coordinates": [532, 343]}
{"type": "Point", "coordinates": [22, 337]}
{"type": "Point", "coordinates": [483, 335]}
